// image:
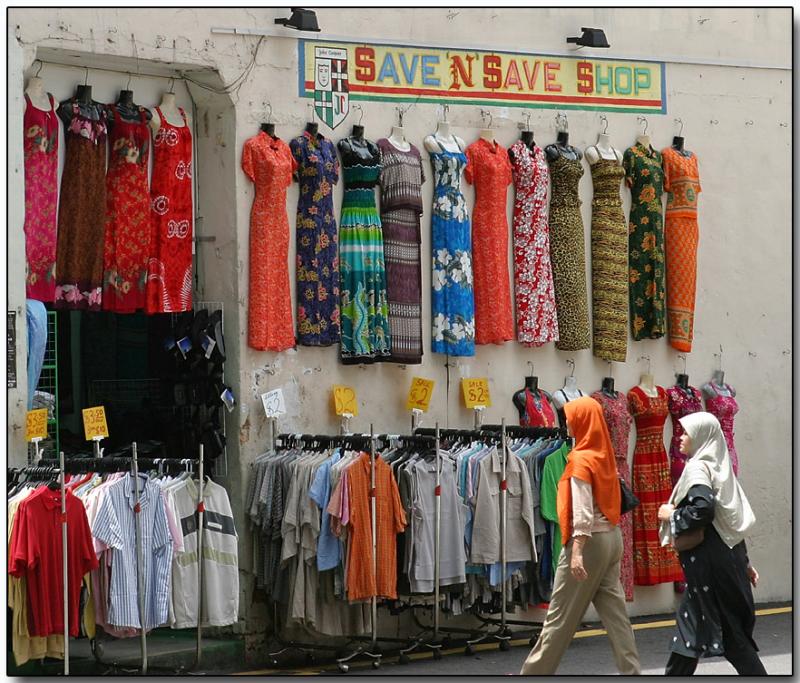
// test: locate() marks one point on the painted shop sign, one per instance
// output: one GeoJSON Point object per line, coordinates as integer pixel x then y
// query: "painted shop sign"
{"type": "Point", "coordinates": [333, 73]}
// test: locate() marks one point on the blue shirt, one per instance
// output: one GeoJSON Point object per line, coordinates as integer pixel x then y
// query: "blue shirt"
{"type": "Point", "coordinates": [329, 551]}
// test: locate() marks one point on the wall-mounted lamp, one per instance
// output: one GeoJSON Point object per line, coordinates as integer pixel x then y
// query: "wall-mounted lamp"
{"type": "Point", "coordinates": [592, 37]}
{"type": "Point", "coordinates": [301, 19]}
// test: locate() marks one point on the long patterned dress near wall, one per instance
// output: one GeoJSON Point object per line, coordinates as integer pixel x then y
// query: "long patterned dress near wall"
{"type": "Point", "coordinates": [269, 163]}
{"type": "Point", "coordinates": [645, 177]}
{"type": "Point", "coordinates": [682, 182]}
{"type": "Point", "coordinates": [41, 199]}
{"type": "Point", "coordinates": [681, 403]}
{"type": "Point", "coordinates": [724, 408]}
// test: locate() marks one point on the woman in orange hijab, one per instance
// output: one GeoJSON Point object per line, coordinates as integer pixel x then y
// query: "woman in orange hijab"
{"type": "Point", "coordinates": [588, 569]}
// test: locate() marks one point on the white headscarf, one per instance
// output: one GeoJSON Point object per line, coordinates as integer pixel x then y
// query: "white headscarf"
{"type": "Point", "coordinates": [710, 465]}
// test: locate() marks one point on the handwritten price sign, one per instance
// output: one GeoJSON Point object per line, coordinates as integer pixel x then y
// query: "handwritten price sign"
{"type": "Point", "coordinates": [476, 392]}
{"type": "Point", "coordinates": [36, 424]}
{"type": "Point", "coordinates": [419, 395]}
{"type": "Point", "coordinates": [274, 405]}
{"type": "Point", "coordinates": [94, 423]}
{"type": "Point", "coordinates": [344, 400]}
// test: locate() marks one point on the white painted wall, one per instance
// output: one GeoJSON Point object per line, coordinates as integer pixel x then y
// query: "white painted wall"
{"type": "Point", "coordinates": [737, 120]}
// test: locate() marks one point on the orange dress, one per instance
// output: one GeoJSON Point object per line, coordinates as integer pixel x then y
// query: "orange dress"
{"type": "Point", "coordinates": [362, 582]}
{"type": "Point", "coordinates": [269, 163]}
{"type": "Point", "coordinates": [682, 182]}
{"type": "Point", "coordinates": [489, 169]}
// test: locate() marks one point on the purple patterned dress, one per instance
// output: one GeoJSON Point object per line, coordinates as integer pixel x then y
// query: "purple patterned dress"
{"type": "Point", "coordinates": [724, 408]}
{"type": "Point", "coordinates": [680, 405]}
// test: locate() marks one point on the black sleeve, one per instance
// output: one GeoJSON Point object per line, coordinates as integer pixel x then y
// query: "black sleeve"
{"type": "Point", "coordinates": [696, 510]}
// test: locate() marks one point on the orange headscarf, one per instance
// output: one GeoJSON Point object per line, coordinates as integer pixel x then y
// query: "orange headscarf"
{"type": "Point", "coordinates": [592, 460]}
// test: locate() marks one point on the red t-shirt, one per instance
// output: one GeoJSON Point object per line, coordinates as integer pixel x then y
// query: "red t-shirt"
{"type": "Point", "coordinates": [36, 553]}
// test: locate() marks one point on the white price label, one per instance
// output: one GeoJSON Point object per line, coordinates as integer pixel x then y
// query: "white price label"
{"type": "Point", "coordinates": [274, 405]}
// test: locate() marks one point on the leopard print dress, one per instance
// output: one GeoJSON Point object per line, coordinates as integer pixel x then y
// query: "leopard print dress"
{"type": "Point", "coordinates": [568, 255]}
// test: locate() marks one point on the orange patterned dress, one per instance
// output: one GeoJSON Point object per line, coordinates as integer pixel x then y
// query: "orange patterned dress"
{"type": "Point", "coordinates": [682, 182]}
{"type": "Point", "coordinates": [269, 163]}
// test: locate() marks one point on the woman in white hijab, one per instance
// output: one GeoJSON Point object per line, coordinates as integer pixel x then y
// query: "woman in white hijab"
{"type": "Point", "coordinates": [707, 518]}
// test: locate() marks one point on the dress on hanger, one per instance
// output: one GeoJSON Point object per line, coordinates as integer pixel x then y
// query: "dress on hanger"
{"type": "Point", "coordinates": [452, 299]}
{"type": "Point", "coordinates": [401, 182]}
{"type": "Point", "coordinates": [362, 271]}
{"type": "Point", "coordinates": [619, 420]}
{"type": "Point", "coordinates": [568, 255]}
{"type": "Point", "coordinates": [81, 212]}
{"type": "Point", "coordinates": [269, 163]}
{"type": "Point", "coordinates": [317, 241]}
{"type": "Point", "coordinates": [680, 405]}
{"type": "Point", "coordinates": [489, 169]}
{"type": "Point", "coordinates": [724, 408]}
{"type": "Point", "coordinates": [682, 182]}
{"type": "Point", "coordinates": [652, 562]}
{"type": "Point", "coordinates": [169, 271]}
{"type": "Point", "coordinates": [609, 263]}
{"type": "Point", "coordinates": [645, 177]}
{"type": "Point", "coordinates": [538, 411]}
{"type": "Point", "coordinates": [128, 217]}
{"type": "Point", "coordinates": [40, 144]}
{"type": "Point", "coordinates": [537, 322]}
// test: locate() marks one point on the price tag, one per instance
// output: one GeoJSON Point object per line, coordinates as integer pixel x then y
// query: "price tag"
{"type": "Point", "coordinates": [344, 400]}
{"type": "Point", "coordinates": [476, 392]}
{"type": "Point", "coordinates": [419, 395]}
{"type": "Point", "coordinates": [94, 423]}
{"type": "Point", "coordinates": [274, 404]}
{"type": "Point", "coordinates": [36, 424]}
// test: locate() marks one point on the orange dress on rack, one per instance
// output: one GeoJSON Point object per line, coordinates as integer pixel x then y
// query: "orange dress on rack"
{"type": "Point", "coordinates": [489, 169]}
{"type": "Point", "coordinates": [682, 182]}
{"type": "Point", "coordinates": [269, 163]}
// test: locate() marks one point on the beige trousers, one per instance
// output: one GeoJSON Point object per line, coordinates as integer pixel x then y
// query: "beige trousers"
{"type": "Point", "coordinates": [601, 558]}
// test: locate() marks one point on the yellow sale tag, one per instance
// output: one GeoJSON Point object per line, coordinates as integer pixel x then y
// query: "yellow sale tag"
{"type": "Point", "coordinates": [419, 395]}
{"type": "Point", "coordinates": [476, 392]}
{"type": "Point", "coordinates": [36, 424]}
{"type": "Point", "coordinates": [344, 400]}
{"type": "Point", "coordinates": [94, 423]}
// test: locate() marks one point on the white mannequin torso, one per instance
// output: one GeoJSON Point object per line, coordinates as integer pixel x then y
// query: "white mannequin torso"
{"type": "Point", "coordinates": [602, 150]}
{"type": "Point", "coordinates": [444, 139]}
{"type": "Point", "coordinates": [487, 134]}
{"type": "Point", "coordinates": [170, 111]}
{"type": "Point", "coordinates": [648, 386]}
{"type": "Point", "coordinates": [569, 392]}
{"type": "Point", "coordinates": [38, 95]}
{"type": "Point", "coordinates": [398, 139]}
{"type": "Point", "coordinates": [644, 140]}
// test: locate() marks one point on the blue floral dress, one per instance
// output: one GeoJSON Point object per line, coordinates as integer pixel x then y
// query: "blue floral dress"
{"type": "Point", "coordinates": [453, 303]}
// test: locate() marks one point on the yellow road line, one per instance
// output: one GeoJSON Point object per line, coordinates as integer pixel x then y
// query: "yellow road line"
{"type": "Point", "coordinates": [588, 633]}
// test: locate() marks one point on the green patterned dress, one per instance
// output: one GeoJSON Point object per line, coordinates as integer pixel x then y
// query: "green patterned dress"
{"type": "Point", "coordinates": [645, 176]}
{"type": "Point", "coordinates": [364, 303]}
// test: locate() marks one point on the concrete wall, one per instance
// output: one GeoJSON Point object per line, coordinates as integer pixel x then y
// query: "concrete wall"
{"type": "Point", "coordinates": [737, 120]}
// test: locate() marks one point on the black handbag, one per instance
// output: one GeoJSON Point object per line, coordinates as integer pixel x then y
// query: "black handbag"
{"type": "Point", "coordinates": [628, 501]}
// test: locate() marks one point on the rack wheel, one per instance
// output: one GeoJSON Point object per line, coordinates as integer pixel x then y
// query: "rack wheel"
{"type": "Point", "coordinates": [376, 663]}
{"type": "Point", "coordinates": [99, 650]}
{"type": "Point", "coordinates": [446, 643]}
{"type": "Point", "coordinates": [273, 662]}
{"type": "Point", "coordinates": [469, 651]}
{"type": "Point", "coordinates": [344, 668]}
{"type": "Point", "coordinates": [437, 653]}
{"type": "Point", "coordinates": [403, 659]}
{"type": "Point", "coordinates": [504, 645]}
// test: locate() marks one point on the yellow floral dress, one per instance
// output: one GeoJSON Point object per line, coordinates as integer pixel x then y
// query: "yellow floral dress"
{"type": "Point", "coordinates": [645, 176]}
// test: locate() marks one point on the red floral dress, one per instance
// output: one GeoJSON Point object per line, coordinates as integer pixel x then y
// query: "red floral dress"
{"type": "Point", "coordinates": [618, 419]}
{"type": "Point", "coordinates": [269, 163]}
{"type": "Point", "coordinates": [489, 169]}
{"type": "Point", "coordinates": [652, 562]}
{"type": "Point", "coordinates": [41, 199]}
{"type": "Point", "coordinates": [537, 322]}
{"type": "Point", "coordinates": [128, 219]}
{"type": "Point", "coordinates": [169, 268]}
{"type": "Point", "coordinates": [681, 404]}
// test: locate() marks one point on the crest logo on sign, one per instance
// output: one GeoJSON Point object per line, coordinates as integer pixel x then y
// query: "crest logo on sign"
{"type": "Point", "coordinates": [331, 88]}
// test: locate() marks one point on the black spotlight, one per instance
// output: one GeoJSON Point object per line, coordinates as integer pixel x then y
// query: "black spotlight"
{"type": "Point", "coordinates": [301, 19]}
{"type": "Point", "coordinates": [592, 37]}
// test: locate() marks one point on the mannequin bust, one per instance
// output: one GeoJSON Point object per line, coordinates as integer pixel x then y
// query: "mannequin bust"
{"type": "Point", "coordinates": [87, 107]}
{"type": "Point", "coordinates": [603, 150]}
{"type": "Point", "coordinates": [312, 128]}
{"type": "Point", "coordinates": [487, 134]}
{"type": "Point", "coordinates": [528, 141]}
{"type": "Point", "coordinates": [127, 109]}
{"type": "Point", "coordinates": [717, 386]}
{"type": "Point", "coordinates": [562, 148]}
{"type": "Point", "coordinates": [647, 385]}
{"type": "Point", "coordinates": [683, 383]}
{"type": "Point", "coordinates": [169, 108]}
{"type": "Point", "coordinates": [359, 147]}
{"type": "Point", "coordinates": [444, 139]}
{"type": "Point", "coordinates": [643, 140]}
{"type": "Point", "coordinates": [677, 144]}
{"type": "Point", "coordinates": [398, 139]}
{"type": "Point", "coordinates": [269, 129]}
{"type": "Point", "coordinates": [569, 392]}
{"type": "Point", "coordinates": [608, 387]}
{"type": "Point", "coordinates": [520, 398]}
{"type": "Point", "coordinates": [38, 96]}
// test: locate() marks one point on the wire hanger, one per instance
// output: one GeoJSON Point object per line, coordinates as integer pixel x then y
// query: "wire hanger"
{"type": "Point", "coordinates": [269, 111]}
{"type": "Point", "coordinates": [571, 362]}
{"type": "Point", "coordinates": [680, 133]}
{"type": "Point", "coordinates": [484, 114]}
{"type": "Point", "coordinates": [128, 84]}
{"type": "Point", "coordinates": [445, 110]}
{"type": "Point", "coordinates": [86, 77]}
{"type": "Point", "coordinates": [39, 70]}
{"type": "Point", "coordinates": [530, 362]}
{"type": "Point", "coordinates": [172, 85]}
{"type": "Point", "coordinates": [527, 116]}
{"type": "Point", "coordinates": [682, 356]}
{"type": "Point", "coordinates": [604, 119]}
{"type": "Point", "coordinates": [361, 112]}
{"type": "Point", "coordinates": [643, 119]}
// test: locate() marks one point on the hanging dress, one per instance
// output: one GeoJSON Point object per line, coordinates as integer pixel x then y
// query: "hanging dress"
{"type": "Point", "coordinates": [618, 419]}
{"type": "Point", "coordinates": [724, 408]}
{"type": "Point", "coordinates": [128, 216]}
{"type": "Point", "coordinates": [169, 270]}
{"type": "Point", "coordinates": [317, 244]}
{"type": "Point", "coordinates": [652, 562]}
{"type": "Point", "coordinates": [538, 411]}
{"type": "Point", "coordinates": [452, 299]}
{"type": "Point", "coordinates": [680, 405]}
{"type": "Point", "coordinates": [40, 144]}
{"type": "Point", "coordinates": [81, 212]}
{"type": "Point", "coordinates": [269, 163]}
{"type": "Point", "coordinates": [645, 177]}
{"type": "Point", "coordinates": [362, 271]}
{"type": "Point", "coordinates": [682, 182]}
{"type": "Point", "coordinates": [537, 322]}
{"type": "Point", "coordinates": [609, 262]}
{"type": "Point", "coordinates": [568, 255]}
{"type": "Point", "coordinates": [489, 169]}
{"type": "Point", "coordinates": [401, 207]}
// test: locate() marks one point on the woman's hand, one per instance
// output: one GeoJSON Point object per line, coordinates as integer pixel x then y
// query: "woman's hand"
{"type": "Point", "coordinates": [665, 512]}
{"type": "Point", "coordinates": [576, 560]}
{"type": "Point", "coordinates": [752, 574]}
